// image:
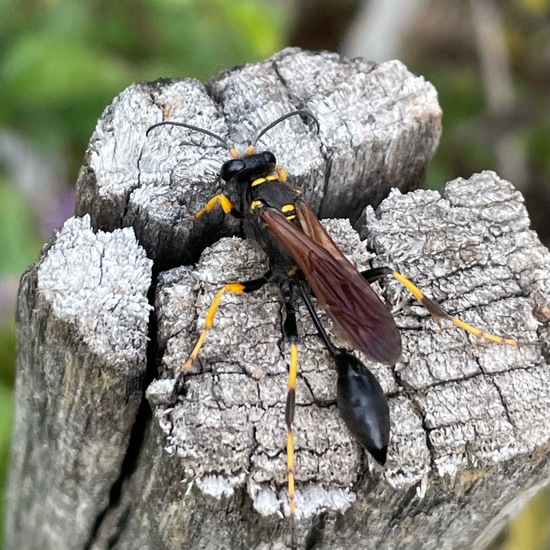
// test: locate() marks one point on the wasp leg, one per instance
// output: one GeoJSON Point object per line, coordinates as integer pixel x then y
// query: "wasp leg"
{"type": "Point", "coordinates": [433, 308]}
{"type": "Point", "coordinates": [237, 288]}
{"type": "Point", "coordinates": [290, 333]}
{"type": "Point", "coordinates": [281, 173]}
{"type": "Point", "coordinates": [224, 202]}
{"type": "Point", "coordinates": [360, 398]}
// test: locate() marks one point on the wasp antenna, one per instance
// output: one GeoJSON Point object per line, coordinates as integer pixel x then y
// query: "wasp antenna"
{"type": "Point", "coordinates": [301, 112]}
{"type": "Point", "coordinates": [190, 127]}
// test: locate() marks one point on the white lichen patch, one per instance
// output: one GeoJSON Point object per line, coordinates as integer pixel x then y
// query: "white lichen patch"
{"type": "Point", "coordinates": [219, 486]}
{"type": "Point", "coordinates": [99, 281]}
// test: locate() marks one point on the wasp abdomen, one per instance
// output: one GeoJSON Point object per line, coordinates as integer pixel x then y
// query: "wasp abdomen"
{"type": "Point", "coordinates": [362, 405]}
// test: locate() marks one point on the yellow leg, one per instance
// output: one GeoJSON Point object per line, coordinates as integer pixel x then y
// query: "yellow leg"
{"type": "Point", "coordinates": [222, 200]}
{"type": "Point", "coordinates": [237, 288]}
{"type": "Point", "coordinates": [439, 313]}
{"type": "Point", "coordinates": [281, 172]}
{"type": "Point", "coordinates": [290, 405]}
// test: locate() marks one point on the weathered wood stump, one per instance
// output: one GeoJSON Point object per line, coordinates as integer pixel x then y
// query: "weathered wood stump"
{"type": "Point", "coordinates": [93, 468]}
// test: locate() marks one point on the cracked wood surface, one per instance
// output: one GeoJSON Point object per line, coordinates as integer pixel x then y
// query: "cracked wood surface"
{"type": "Point", "coordinates": [82, 337]}
{"type": "Point", "coordinates": [469, 429]}
{"type": "Point", "coordinates": [469, 415]}
{"type": "Point", "coordinates": [380, 127]}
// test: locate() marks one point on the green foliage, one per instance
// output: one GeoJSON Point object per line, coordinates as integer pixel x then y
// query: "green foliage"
{"type": "Point", "coordinates": [460, 93]}
{"type": "Point", "coordinates": [531, 529]}
{"type": "Point", "coordinates": [451, 62]}
{"type": "Point", "coordinates": [6, 420]}
{"type": "Point", "coordinates": [64, 61]}
{"type": "Point", "coordinates": [19, 241]}
{"type": "Point", "coordinates": [19, 246]}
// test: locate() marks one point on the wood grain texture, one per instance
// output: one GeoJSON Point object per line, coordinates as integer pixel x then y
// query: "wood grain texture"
{"type": "Point", "coordinates": [82, 335]}
{"type": "Point", "coordinates": [380, 127]}
{"type": "Point", "coordinates": [469, 431]}
{"type": "Point", "coordinates": [468, 415]}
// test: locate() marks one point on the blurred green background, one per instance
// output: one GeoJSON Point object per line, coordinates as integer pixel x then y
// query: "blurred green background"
{"type": "Point", "coordinates": [62, 62]}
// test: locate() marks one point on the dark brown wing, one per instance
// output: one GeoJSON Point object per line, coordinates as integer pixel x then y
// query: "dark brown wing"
{"type": "Point", "coordinates": [356, 310]}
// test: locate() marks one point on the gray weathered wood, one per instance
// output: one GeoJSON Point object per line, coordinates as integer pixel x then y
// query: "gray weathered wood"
{"type": "Point", "coordinates": [380, 126]}
{"type": "Point", "coordinates": [469, 415]}
{"type": "Point", "coordinates": [469, 429]}
{"type": "Point", "coordinates": [82, 335]}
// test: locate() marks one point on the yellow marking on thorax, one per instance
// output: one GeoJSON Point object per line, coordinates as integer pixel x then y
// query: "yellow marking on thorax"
{"type": "Point", "coordinates": [287, 208]}
{"type": "Point", "coordinates": [259, 181]}
{"type": "Point", "coordinates": [255, 204]}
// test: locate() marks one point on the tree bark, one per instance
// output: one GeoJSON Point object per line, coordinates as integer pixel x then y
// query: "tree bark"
{"type": "Point", "coordinates": [93, 468]}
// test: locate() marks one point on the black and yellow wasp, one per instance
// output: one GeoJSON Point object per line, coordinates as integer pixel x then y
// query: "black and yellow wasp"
{"type": "Point", "coordinates": [303, 258]}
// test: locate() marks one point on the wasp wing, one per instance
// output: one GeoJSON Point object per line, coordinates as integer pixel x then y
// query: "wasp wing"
{"type": "Point", "coordinates": [356, 310]}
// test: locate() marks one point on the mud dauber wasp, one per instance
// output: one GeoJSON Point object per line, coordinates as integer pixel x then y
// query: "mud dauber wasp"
{"type": "Point", "coordinates": [303, 258]}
